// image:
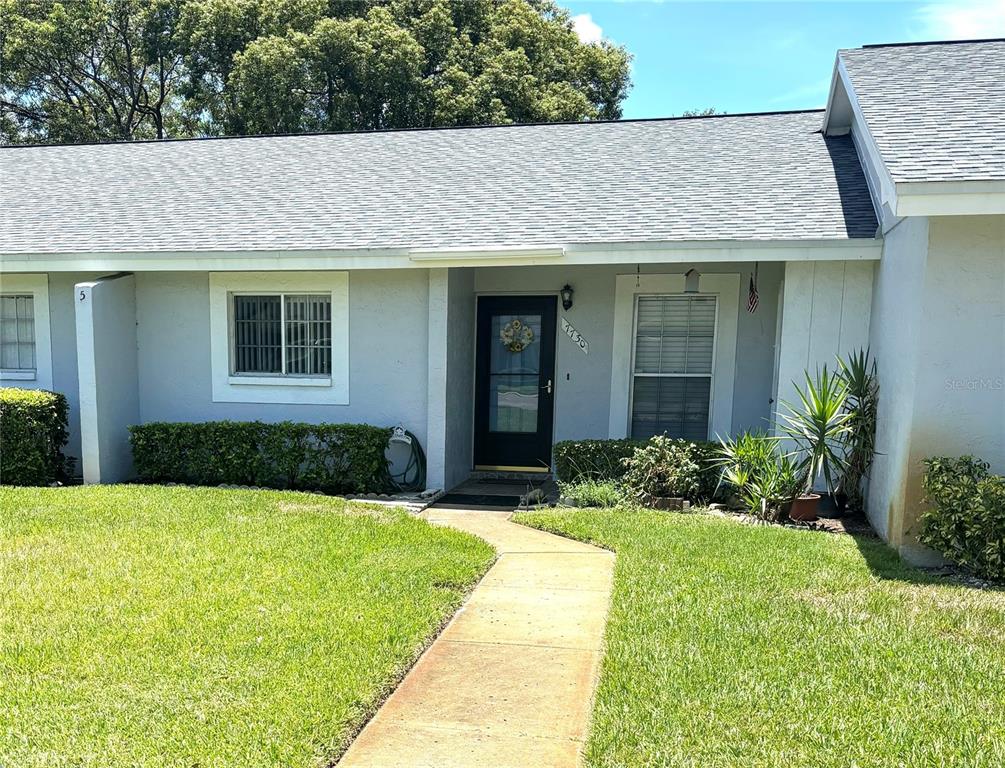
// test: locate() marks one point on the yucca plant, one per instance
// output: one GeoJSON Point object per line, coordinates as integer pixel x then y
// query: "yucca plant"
{"type": "Point", "coordinates": [858, 372]}
{"type": "Point", "coordinates": [818, 426]}
{"type": "Point", "coordinates": [745, 454]}
{"type": "Point", "coordinates": [769, 493]}
{"type": "Point", "coordinates": [761, 477]}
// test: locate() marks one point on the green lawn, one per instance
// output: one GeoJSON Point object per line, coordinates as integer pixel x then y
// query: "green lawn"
{"type": "Point", "coordinates": [154, 626]}
{"type": "Point", "coordinates": [736, 645]}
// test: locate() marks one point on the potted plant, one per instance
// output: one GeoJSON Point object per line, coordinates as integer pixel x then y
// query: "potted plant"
{"type": "Point", "coordinates": [817, 426]}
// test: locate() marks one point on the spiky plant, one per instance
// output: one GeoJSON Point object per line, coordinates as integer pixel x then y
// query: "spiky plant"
{"type": "Point", "coordinates": [859, 374]}
{"type": "Point", "coordinates": [819, 425]}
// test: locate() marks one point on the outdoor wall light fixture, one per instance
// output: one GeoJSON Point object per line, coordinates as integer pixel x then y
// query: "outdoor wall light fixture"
{"type": "Point", "coordinates": [566, 297]}
{"type": "Point", "coordinates": [692, 280]}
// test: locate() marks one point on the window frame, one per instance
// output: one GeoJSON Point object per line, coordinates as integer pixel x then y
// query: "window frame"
{"type": "Point", "coordinates": [311, 389]}
{"type": "Point", "coordinates": [710, 375]}
{"type": "Point", "coordinates": [302, 379]}
{"type": "Point", "coordinates": [725, 286]}
{"type": "Point", "coordinates": [36, 286]}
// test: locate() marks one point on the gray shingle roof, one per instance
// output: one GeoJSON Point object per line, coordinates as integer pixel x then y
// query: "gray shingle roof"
{"type": "Point", "coordinates": [936, 111]}
{"type": "Point", "coordinates": [761, 177]}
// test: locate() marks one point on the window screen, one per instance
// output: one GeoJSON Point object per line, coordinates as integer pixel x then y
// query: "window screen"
{"type": "Point", "coordinates": [17, 333]}
{"type": "Point", "coordinates": [672, 376]}
{"type": "Point", "coordinates": [282, 334]}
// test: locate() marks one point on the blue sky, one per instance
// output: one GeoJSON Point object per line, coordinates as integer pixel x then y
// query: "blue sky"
{"type": "Point", "coordinates": [756, 57]}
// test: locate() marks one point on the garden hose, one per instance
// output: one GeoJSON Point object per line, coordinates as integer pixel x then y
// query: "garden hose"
{"type": "Point", "coordinates": [413, 476]}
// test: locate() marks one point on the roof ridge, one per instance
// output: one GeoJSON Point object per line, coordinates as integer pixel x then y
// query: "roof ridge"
{"type": "Point", "coordinates": [674, 118]}
{"type": "Point", "coordinates": [928, 42]}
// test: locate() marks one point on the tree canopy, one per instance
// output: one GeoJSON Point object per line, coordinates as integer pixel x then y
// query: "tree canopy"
{"type": "Point", "coordinates": [90, 70]}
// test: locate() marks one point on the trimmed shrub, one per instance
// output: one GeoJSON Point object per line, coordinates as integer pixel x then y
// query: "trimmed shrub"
{"type": "Point", "coordinates": [665, 467]}
{"type": "Point", "coordinates": [577, 460]}
{"type": "Point", "coordinates": [334, 458]}
{"type": "Point", "coordinates": [966, 519]}
{"type": "Point", "coordinates": [33, 433]}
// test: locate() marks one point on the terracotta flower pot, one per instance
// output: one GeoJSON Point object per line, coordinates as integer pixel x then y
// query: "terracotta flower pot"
{"type": "Point", "coordinates": [805, 507]}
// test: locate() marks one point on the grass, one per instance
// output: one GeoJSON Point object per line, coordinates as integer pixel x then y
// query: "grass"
{"type": "Point", "coordinates": [736, 645]}
{"type": "Point", "coordinates": [156, 626]}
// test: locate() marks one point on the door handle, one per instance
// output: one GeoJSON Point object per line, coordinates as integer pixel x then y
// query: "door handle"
{"type": "Point", "coordinates": [547, 386]}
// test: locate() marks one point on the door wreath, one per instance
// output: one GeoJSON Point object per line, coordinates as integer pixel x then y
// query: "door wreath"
{"type": "Point", "coordinates": [516, 335]}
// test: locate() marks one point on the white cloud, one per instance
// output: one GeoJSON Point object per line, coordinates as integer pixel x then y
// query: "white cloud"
{"type": "Point", "coordinates": [586, 28]}
{"type": "Point", "coordinates": [963, 20]}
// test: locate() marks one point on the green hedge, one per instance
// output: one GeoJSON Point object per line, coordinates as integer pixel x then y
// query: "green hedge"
{"type": "Point", "coordinates": [966, 518]}
{"type": "Point", "coordinates": [32, 436]}
{"type": "Point", "coordinates": [334, 458]}
{"type": "Point", "coordinates": [577, 460]}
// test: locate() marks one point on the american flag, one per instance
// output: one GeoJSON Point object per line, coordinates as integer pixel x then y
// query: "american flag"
{"type": "Point", "coordinates": [752, 298]}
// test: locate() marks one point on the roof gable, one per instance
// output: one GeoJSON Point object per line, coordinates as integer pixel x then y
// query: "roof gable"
{"type": "Point", "coordinates": [934, 110]}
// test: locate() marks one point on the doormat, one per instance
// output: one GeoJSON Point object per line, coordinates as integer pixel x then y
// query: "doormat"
{"type": "Point", "coordinates": [511, 481]}
{"type": "Point", "coordinates": [478, 500]}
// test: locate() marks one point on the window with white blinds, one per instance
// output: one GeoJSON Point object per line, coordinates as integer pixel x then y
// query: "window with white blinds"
{"type": "Point", "coordinates": [672, 371]}
{"type": "Point", "coordinates": [17, 332]}
{"type": "Point", "coordinates": [282, 334]}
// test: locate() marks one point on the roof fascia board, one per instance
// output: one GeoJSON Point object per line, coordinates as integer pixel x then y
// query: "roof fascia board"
{"type": "Point", "coordinates": [466, 254]}
{"type": "Point", "coordinates": [604, 253]}
{"type": "Point", "coordinates": [951, 198]}
{"type": "Point", "coordinates": [886, 195]}
{"type": "Point", "coordinates": [831, 97]}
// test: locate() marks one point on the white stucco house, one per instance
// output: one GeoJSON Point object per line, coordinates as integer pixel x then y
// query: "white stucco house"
{"type": "Point", "coordinates": [376, 277]}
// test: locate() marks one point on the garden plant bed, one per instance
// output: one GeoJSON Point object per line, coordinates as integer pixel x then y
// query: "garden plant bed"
{"type": "Point", "coordinates": [853, 524]}
{"type": "Point", "coordinates": [762, 646]}
{"type": "Point", "coordinates": [146, 625]}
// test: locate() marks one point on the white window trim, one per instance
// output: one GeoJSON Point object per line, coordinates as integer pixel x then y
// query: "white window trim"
{"type": "Point", "coordinates": [307, 390]}
{"type": "Point", "coordinates": [38, 287]}
{"type": "Point", "coordinates": [726, 289]}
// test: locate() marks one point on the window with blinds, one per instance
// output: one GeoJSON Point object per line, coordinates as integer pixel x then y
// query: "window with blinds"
{"type": "Point", "coordinates": [672, 373]}
{"type": "Point", "coordinates": [282, 334]}
{"type": "Point", "coordinates": [17, 332]}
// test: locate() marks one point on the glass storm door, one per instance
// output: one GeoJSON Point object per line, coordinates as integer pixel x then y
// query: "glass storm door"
{"type": "Point", "coordinates": [514, 382]}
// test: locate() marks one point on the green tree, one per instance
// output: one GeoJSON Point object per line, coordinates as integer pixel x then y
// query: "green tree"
{"type": "Point", "coordinates": [78, 70]}
{"type": "Point", "coordinates": [86, 70]}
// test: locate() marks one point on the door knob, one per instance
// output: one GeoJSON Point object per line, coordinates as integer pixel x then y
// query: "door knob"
{"type": "Point", "coordinates": [547, 386]}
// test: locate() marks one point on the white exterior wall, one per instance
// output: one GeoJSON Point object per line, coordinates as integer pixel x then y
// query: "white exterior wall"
{"type": "Point", "coordinates": [450, 415]}
{"type": "Point", "coordinates": [388, 315]}
{"type": "Point", "coordinates": [896, 328]}
{"type": "Point", "coordinates": [939, 334]}
{"type": "Point", "coordinates": [436, 381]}
{"type": "Point", "coordinates": [107, 370]}
{"type": "Point", "coordinates": [825, 313]}
{"type": "Point", "coordinates": [583, 382]}
{"type": "Point", "coordinates": [460, 383]}
{"type": "Point", "coordinates": [961, 381]}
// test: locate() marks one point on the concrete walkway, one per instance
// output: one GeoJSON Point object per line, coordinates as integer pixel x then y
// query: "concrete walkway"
{"type": "Point", "coordinates": [510, 681]}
